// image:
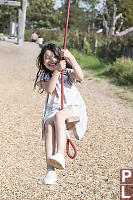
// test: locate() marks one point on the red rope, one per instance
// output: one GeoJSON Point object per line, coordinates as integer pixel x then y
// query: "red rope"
{"type": "Point", "coordinates": [68, 8]}
{"type": "Point", "coordinates": [67, 149]}
{"type": "Point", "coordinates": [62, 73]}
{"type": "Point", "coordinates": [62, 88]}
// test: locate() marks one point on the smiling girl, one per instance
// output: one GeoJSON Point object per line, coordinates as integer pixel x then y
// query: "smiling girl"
{"type": "Point", "coordinates": [51, 61]}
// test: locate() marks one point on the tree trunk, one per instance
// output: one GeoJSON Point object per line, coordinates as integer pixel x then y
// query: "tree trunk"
{"type": "Point", "coordinates": [110, 30]}
{"type": "Point", "coordinates": [121, 23]}
{"type": "Point", "coordinates": [106, 23]}
{"type": "Point", "coordinates": [125, 31]}
{"type": "Point", "coordinates": [89, 25]}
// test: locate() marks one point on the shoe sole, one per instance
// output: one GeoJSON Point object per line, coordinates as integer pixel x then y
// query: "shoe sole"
{"type": "Point", "coordinates": [55, 164]}
{"type": "Point", "coordinates": [46, 183]}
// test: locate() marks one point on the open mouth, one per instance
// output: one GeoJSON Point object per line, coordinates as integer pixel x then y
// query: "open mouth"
{"type": "Point", "coordinates": [52, 64]}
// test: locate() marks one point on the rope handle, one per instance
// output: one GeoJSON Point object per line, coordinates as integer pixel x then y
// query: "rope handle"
{"type": "Point", "coordinates": [72, 144]}
{"type": "Point", "coordinates": [74, 148]}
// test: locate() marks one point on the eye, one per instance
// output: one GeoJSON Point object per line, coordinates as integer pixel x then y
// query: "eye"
{"type": "Point", "coordinates": [55, 57]}
{"type": "Point", "coordinates": [46, 57]}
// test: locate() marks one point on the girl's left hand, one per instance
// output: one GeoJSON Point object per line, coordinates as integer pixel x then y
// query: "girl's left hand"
{"type": "Point", "coordinates": [66, 54]}
{"type": "Point", "coordinates": [61, 65]}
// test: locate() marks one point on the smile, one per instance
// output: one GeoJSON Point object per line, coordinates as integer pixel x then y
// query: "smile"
{"type": "Point", "coordinates": [52, 65]}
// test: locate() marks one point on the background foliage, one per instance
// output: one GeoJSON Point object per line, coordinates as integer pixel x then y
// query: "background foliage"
{"type": "Point", "coordinates": [84, 37]}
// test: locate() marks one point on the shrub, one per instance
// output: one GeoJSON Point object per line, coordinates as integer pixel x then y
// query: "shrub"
{"type": "Point", "coordinates": [47, 34]}
{"type": "Point", "coordinates": [27, 35]}
{"type": "Point", "coordinates": [75, 39]}
{"type": "Point", "coordinates": [122, 70]}
{"type": "Point", "coordinates": [109, 48]}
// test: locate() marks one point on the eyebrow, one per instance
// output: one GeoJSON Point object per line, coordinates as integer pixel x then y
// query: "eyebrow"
{"type": "Point", "coordinates": [46, 55]}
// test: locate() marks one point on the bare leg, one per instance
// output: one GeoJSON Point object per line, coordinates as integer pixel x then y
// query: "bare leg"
{"type": "Point", "coordinates": [60, 128]}
{"type": "Point", "coordinates": [50, 139]}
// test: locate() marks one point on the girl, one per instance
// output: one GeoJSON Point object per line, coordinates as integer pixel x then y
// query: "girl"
{"type": "Point", "coordinates": [51, 61]}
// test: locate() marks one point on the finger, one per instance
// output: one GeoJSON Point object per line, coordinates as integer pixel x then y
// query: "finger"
{"type": "Point", "coordinates": [62, 52]}
{"type": "Point", "coordinates": [64, 67]}
{"type": "Point", "coordinates": [62, 55]}
{"type": "Point", "coordinates": [63, 62]}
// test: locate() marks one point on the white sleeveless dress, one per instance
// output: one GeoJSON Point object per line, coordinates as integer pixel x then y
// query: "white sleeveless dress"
{"type": "Point", "coordinates": [72, 99]}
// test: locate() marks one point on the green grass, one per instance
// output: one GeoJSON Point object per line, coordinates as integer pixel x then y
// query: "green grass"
{"type": "Point", "coordinates": [86, 62]}
{"type": "Point", "coordinates": [96, 65]}
{"type": "Point", "coordinates": [89, 62]}
{"type": "Point", "coordinates": [125, 96]}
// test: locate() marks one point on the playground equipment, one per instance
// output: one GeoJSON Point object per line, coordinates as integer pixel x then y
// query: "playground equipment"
{"type": "Point", "coordinates": [22, 6]}
{"type": "Point", "coordinates": [13, 32]}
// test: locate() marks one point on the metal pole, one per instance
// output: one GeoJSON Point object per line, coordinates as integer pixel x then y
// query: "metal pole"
{"type": "Point", "coordinates": [22, 18]}
{"type": "Point", "coordinates": [19, 25]}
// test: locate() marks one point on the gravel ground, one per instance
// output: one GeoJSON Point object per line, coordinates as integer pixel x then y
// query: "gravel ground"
{"type": "Point", "coordinates": [106, 146]}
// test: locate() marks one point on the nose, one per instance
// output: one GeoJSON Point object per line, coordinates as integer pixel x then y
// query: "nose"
{"type": "Point", "coordinates": [52, 59]}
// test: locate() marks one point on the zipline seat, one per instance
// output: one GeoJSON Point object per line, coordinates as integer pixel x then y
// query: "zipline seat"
{"type": "Point", "coordinates": [71, 122]}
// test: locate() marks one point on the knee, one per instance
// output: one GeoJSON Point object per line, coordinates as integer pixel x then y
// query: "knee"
{"type": "Point", "coordinates": [48, 125]}
{"type": "Point", "coordinates": [58, 116]}
{"type": "Point", "coordinates": [46, 128]}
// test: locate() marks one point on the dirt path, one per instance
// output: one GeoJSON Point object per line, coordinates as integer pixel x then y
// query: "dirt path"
{"type": "Point", "coordinates": [106, 147]}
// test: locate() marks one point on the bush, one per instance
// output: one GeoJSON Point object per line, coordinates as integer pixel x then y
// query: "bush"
{"type": "Point", "coordinates": [27, 35]}
{"type": "Point", "coordinates": [75, 39]}
{"type": "Point", "coordinates": [47, 34]}
{"type": "Point", "coordinates": [109, 48]}
{"type": "Point", "coordinates": [122, 70]}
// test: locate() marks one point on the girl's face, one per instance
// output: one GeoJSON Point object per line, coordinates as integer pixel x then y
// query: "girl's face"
{"type": "Point", "coordinates": [50, 60]}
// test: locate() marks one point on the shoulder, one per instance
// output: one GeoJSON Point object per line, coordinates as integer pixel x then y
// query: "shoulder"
{"type": "Point", "coordinates": [70, 75]}
{"type": "Point", "coordinates": [44, 75]}
{"type": "Point", "coordinates": [68, 71]}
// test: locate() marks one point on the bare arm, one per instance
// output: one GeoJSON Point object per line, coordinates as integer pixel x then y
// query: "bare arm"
{"type": "Point", "coordinates": [50, 85]}
{"type": "Point", "coordinates": [77, 71]}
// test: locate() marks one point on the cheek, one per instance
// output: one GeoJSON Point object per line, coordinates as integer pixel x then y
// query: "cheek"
{"type": "Point", "coordinates": [45, 62]}
{"type": "Point", "coordinates": [56, 60]}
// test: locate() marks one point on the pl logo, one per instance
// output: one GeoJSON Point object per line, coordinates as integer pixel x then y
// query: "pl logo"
{"type": "Point", "coordinates": [126, 184]}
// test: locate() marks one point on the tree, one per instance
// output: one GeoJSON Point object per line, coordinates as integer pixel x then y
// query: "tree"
{"type": "Point", "coordinates": [124, 7]}
{"type": "Point", "coordinates": [92, 13]}
{"type": "Point", "coordinates": [41, 13]}
{"type": "Point", "coordinates": [77, 16]}
{"type": "Point", "coordinates": [110, 18]}
{"type": "Point", "coordinates": [7, 14]}
{"type": "Point", "coordinates": [127, 10]}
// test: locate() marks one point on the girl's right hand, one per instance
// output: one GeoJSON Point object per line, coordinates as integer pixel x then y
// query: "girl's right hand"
{"type": "Point", "coordinates": [61, 65]}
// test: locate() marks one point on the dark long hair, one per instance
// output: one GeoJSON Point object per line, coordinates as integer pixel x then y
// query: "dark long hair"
{"type": "Point", "coordinates": [40, 59]}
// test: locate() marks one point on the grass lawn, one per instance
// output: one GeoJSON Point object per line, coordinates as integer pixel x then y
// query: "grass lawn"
{"type": "Point", "coordinates": [93, 64]}
{"type": "Point", "coordinates": [89, 62]}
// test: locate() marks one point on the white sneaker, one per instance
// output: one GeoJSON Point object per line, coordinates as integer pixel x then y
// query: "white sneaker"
{"type": "Point", "coordinates": [50, 177]}
{"type": "Point", "coordinates": [57, 161]}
